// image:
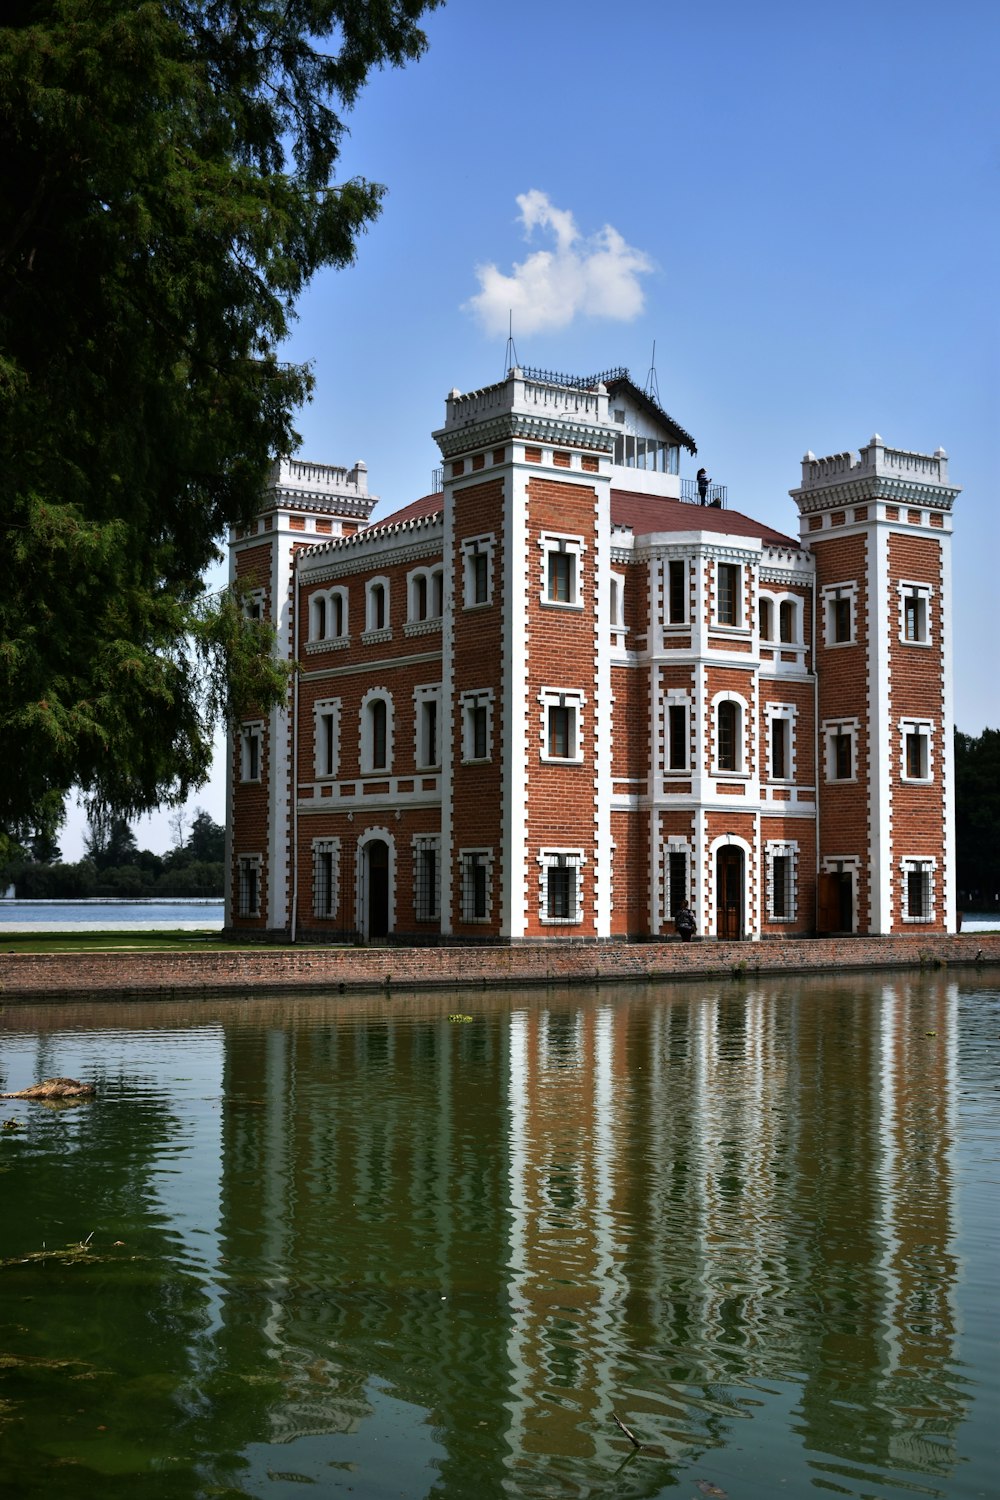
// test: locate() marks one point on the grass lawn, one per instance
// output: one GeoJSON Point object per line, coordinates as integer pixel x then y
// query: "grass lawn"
{"type": "Point", "coordinates": [130, 942]}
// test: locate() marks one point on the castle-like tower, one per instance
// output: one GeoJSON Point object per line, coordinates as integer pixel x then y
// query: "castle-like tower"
{"type": "Point", "coordinates": [879, 527]}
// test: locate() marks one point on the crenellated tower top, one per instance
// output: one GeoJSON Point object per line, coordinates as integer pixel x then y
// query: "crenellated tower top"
{"type": "Point", "coordinates": [876, 472]}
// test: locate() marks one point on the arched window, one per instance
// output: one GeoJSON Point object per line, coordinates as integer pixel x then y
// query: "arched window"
{"type": "Point", "coordinates": [786, 620]}
{"type": "Point", "coordinates": [765, 619]}
{"type": "Point", "coordinates": [376, 732]}
{"type": "Point", "coordinates": [728, 735]}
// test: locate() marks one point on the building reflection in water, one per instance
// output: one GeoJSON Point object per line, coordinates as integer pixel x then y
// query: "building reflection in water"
{"type": "Point", "coordinates": [673, 1204]}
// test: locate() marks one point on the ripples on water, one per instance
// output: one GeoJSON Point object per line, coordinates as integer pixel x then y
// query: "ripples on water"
{"type": "Point", "coordinates": [363, 1247]}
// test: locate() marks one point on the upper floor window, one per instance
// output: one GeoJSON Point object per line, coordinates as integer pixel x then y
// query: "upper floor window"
{"type": "Point", "coordinates": [376, 731]}
{"type": "Point", "coordinates": [377, 604]}
{"type": "Point", "coordinates": [477, 562]}
{"type": "Point", "coordinates": [251, 738]}
{"type": "Point", "coordinates": [562, 568]}
{"type": "Point", "coordinates": [326, 736]}
{"type": "Point", "coordinates": [765, 619]}
{"type": "Point", "coordinates": [915, 736]}
{"type": "Point", "coordinates": [841, 749]}
{"type": "Point", "coordinates": [915, 613]}
{"type": "Point", "coordinates": [328, 615]}
{"type": "Point", "coordinates": [253, 604]}
{"type": "Point", "coordinates": [677, 591]}
{"type": "Point", "coordinates": [839, 603]}
{"type": "Point", "coordinates": [477, 724]}
{"type": "Point", "coordinates": [617, 597]}
{"type": "Point", "coordinates": [427, 742]}
{"type": "Point", "coordinates": [729, 600]}
{"type": "Point", "coordinates": [677, 736]}
{"type": "Point", "coordinates": [788, 621]}
{"type": "Point", "coordinates": [728, 742]}
{"type": "Point", "coordinates": [425, 594]}
{"type": "Point", "coordinates": [562, 725]}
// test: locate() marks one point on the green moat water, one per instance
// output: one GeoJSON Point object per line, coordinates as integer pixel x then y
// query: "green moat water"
{"type": "Point", "coordinates": [362, 1248]}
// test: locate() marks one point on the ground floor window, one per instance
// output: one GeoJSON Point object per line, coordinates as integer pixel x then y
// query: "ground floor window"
{"type": "Point", "coordinates": [559, 890]}
{"type": "Point", "coordinates": [476, 893]}
{"type": "Point", "coordinates": [326, 877]}
{"type": "Point", "coordinates": [918, 890]}
{"type": "Point", "coordinates": [781, 870]}
{"type": "Point", "coordinates": [676, 880]}
{"type": "Point", "coordinates": [426, 879]}
{"type": "Point", "coordinates": [248, 885]}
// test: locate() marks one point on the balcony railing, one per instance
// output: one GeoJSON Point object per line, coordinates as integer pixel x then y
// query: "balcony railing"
{"type": "Point", "coordinates": [714, 495]}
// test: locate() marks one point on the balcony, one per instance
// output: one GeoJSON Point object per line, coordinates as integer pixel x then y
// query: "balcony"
{"type": "Point", "coordinates": [715, 494]}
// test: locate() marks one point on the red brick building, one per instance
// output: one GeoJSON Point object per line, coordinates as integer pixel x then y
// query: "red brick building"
{"type": "Point", "coordinates": [562, 696]}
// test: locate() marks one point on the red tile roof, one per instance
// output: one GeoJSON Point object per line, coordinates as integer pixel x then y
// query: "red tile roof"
{"type": "Point", "coordinates": [643, 514]}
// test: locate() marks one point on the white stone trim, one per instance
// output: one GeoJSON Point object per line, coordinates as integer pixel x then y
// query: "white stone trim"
{"type": "Point", "coordinates": [550, 542]}
{"type": "Point", "coordinates": [550, 859]}
{"type": "Point", "coordinates": [569, 698]}
{"type": "Point", "coordinates": [924, 727]}
{"type": "Point", "coordinates": [925, 866]}
{"type": "Point", "coordinates": [322, 614]}
{"type": "Point", "coordinates": [483, 545]}
{"type": "Point", "coordinates": [781, 849]}
{"type": "Point", "coordinates": [468, 702]}
{"type": "Point", "coordinates": [829, 731]}
{"type": "Point", "coordinates": [829, 595]}
{"type": "Point", "coordinates": [361, 914]}
{"type": "Point", "coordinates": [924, 593]}
{"type": "Point", "coordinates": [252, 751]}
{"type": "Point", "coordinates": [423, 695]}
{"type": "Point", "coordinates": [432, 577]}
{"type": "Point", "coordinates": [374, 628]}
{"type": "Point", "coordinates": [326, 708]}
{"type": "Point", "coordinates": [786, 713]}
{"type": "Point", "coordinates": [485, 855]}
{"type": "Point", "coordinates": [366, 747]}
{"type": "Point", "coordinates": [742, 733]}
{"type": "Point", "coordinates": [321, 847]}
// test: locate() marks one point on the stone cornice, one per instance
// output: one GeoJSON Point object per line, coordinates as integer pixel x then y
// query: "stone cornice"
{"type": "Point", "coordinates": [528, 427]}
{"type": "Point", "coordinates": [869, 488]}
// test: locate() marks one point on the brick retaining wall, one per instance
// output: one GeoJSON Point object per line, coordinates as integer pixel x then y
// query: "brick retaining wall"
{"type": "Point", "coordinates": [62, 975]}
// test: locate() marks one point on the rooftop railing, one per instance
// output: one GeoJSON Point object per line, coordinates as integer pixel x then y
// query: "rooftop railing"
{"type": "Point", "coordinates": [715, 494]}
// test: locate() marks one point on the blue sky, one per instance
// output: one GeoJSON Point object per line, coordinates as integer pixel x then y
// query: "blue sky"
{"type": "Point", "coordinates": [797, 203]}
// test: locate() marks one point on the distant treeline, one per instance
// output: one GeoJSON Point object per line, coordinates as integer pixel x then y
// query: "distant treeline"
{"type": "Point", "coordinates": [114, 865]}
{"type": "Point", "coordinates": [977, 820]}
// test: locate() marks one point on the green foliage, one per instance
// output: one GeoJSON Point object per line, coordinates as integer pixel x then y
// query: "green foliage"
{"type": "Point", "coordinates": [115, 866]}
{"type": "Point", "coordinates": [167, 194]}
{"type": "Point", "coordinates": [977, 819]}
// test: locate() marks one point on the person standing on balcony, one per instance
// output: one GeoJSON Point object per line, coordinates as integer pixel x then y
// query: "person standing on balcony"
{"type": "Point", "coordinates": [703, 482]}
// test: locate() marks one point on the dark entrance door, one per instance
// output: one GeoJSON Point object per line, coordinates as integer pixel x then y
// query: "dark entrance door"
{"type": "Point", "coordinates": [377, 862]}
{"type": "Point", "coordinates": [729, 892]}
{"type": "Point", "coordinates": [835, 902]}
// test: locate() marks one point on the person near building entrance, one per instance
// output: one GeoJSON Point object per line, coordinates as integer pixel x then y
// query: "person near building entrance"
{"type": "Point", "coordinates": [685, 923]}
{"type": "Point", "coordinates": [703, 484]}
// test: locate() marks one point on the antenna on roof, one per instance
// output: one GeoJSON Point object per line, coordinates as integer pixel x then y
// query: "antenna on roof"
{"type": "Point", "coordinates": [652, 389]}
{"type": "Point", "coordinates": [511, 361]}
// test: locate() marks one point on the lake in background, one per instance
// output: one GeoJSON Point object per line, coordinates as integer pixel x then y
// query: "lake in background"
{"type": "Point", "coordinates": [104, 914]}
{"type": "Point", "coordinates": [374, 1248]}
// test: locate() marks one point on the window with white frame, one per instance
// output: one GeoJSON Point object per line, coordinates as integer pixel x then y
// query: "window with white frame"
{"type": "Point", "coordinates": [677, 591]}
{"type": "Point", "coordinates": [427, 878]}
{"type": "Point", "coordinates": [562, 570]}
{"type": "Point", "coordinates": [781, 859]}
{"type": "Point", "coordinates": [326, 877]}
{"type": "Point", "coordinates": [915, 749]}
{"type": "Point", "coordinates": [780, 721]}
{"type": "Point", "coordinates": [248, 868]}
{"type": "Point", "coordinates": [326, 736]}
{"type": "Point", "coordinates": [476, 708]}
{"type": "Point", "coordinates": [839, 609]}
{"type": "Point", "coordinates": [476, 866]}
{"type": "Point", "coordinates": [328, 615]}
{"type": "Point", "coordinates": [562, 724]}
{"type": "Point", "coordinates": [425, 595]}
{"type": "Point", "coordinates": [477, 570]}
{"type": "Point", "coordinates": [918, 894]}
{"type": "Point", "coordinates": [376, 605]}
{"type": "Point", "coordinates": [427, 726]}
{"type": "Point", "coordinates": [765, 619]}
{"type": "Point", "coordinates": [840, 739]}
{"type": "Point", "coordinates": [251, 741]}
{"type": "Point", "coordinates": [730, 717]}
{"type": "Point", "coordinates": [678, 733]}
{"type": "Point", "coordinates": [676, 877]}
{"type": "Point", "coordinates": [617, 601]}
{"type": "Point", "coordinates": [253, 604]}
{"type": "Point", "coordinates": [915, 613]}
{"type": "Point", "coordinates": [789, 615]}
{"type": "Point", "coordinates": [728, 594]}
{"type": "Point", "coordinates": [376, 731]}
{"type": "Point", "coordinates": [560, 901]}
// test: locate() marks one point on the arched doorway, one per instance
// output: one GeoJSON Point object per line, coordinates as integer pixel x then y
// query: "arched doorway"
{"type": "Point", "coordinates": [729, 891]}
{"type": "Point", "coordinates": [376, 888]}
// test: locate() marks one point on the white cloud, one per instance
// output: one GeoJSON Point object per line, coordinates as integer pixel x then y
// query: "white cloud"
{"type": "Point", "coordinates": [596, 276]}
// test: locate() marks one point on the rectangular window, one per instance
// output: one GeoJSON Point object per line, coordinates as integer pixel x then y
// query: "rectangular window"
{"type": "Point", "coordinates": [560, 732]}
{"type": "Point", "coordinates": [561, 566]}
{"type": "Point", "coordinates": [729, 612]}
{"type": "Point", "coordinates": [325, 877]}
{"type": "Point", "coordinates": [765, 619]}
{"type": "Point", "coordinates": [781, 868]}
{"type": "Point", "coordinates": [480, 578]}
{"type": "Point", "coordinates": [560, 892]}
{"type": "Point", "coordinates": [779, 749]}
{"type": "Point", "coordinates": [915, 617]}
{"type": "Point", "coordinates": [677, 737]}
{"type": "Point", "coordinates": [477, 564]}
{"type": "Point", "coordinates": [728, 722]}
{"type": "Point", "coordinates": [250, 738]}
{"type": "Point", "coordinates": [426, 885]}
{"type": "Point", "coordinates": [477, 724]}
{"type": "Point", "coordinates": [677, 891]}
{"type": "Point", "coordinates": [786, 620]}
{"type": "Point", "coordinates": [248, 894]}
{"type": "Point", "coordinates": [842, 758]}
{"type": "Point", "coordinates": [841, 613]}
{"type": "Point", "coordinates": [677, 590]}
{"type": "Point", "coordinates": [480, 732]}
{"type": "Point", "coordinates": [475, 893]}
{"type": "Point", "coordinates": [918, 897]}
{"type": "Point", "coordinates": [916, 755]}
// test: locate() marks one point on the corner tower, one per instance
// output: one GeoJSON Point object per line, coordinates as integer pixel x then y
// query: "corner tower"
{"type": "Point", "coordinates": [526, 848]}
{"type": "Point", "coordinates": [879, 527]}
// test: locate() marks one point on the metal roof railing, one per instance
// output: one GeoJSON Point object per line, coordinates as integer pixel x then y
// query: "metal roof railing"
{"type": "Point", "coordinates": [715, 494]}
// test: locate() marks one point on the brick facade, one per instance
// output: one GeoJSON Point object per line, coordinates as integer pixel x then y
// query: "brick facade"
{"type": "Point", "coordinates": [556, 700]}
